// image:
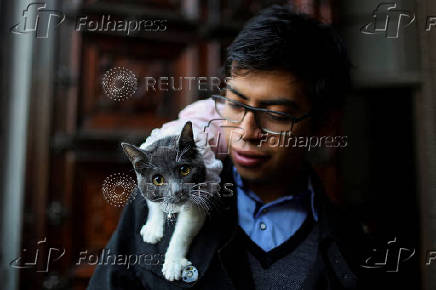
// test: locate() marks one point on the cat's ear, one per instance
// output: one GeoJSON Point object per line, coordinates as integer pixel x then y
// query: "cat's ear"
{"type": "Point", "coordinates": [134, 154]}
{"type": "Point", "coordinates": [186, 137]}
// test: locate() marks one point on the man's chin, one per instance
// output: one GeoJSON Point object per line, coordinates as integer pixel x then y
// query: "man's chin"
{"type": "Point", "coordinates": [251, 174]}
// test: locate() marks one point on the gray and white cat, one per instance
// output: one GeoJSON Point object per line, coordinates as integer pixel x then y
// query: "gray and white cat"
{"type": "Point", "coordinates": [169, 173]}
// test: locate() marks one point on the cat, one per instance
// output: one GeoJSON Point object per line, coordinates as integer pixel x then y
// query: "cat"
{"type": "Point", "coordinates": [169, 173]}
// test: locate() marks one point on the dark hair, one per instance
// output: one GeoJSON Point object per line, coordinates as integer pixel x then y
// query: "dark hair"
{"type": "Point", "coordinates": [278, 39]}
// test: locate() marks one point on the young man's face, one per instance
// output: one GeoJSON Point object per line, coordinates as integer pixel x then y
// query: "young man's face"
{"type": "Point", "coordinates": [262, 162]}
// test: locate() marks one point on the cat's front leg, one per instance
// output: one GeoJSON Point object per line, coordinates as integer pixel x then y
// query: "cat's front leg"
{"type": "Point", "coordinates": [152, 231]}
{"type": "Point", "coordinates": [189, 223]}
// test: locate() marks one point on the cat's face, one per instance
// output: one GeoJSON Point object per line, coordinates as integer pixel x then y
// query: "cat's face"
{"type": "Point", "coordinates": [168, 170]}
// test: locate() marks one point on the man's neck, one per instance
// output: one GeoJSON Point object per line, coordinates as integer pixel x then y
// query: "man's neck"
{"type": "Point", "coordinates": [271, 191]}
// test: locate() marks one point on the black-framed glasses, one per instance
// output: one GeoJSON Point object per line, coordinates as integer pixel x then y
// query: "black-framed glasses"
{"type": "Point", "coordinates": [269, 121]}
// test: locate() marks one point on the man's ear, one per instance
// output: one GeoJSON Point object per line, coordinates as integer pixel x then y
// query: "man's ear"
{"type": "Point", "coordinates": [133, 153]}
{"type": "Point", "coordinates": [187, 136]}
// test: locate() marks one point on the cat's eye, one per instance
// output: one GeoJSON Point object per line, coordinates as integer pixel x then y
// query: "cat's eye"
{"type": "Point", "coordinates": [184, 170]}
{"type": "Point", "coordinates": [158, 180]}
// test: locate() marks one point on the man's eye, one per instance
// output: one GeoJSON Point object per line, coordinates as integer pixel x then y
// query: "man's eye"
{"type": "Point", "coordinates": [184, 170]}
{"type": "Point", "coordinates": [158, 180]}
{"type": "Point", "coordinates": [277, 117]}
{"type": "Point", "coordinates": [234, 105]}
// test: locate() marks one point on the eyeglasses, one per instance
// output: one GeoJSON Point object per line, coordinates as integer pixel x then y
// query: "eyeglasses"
{"type": "Point", "coordinates": [273, 122]}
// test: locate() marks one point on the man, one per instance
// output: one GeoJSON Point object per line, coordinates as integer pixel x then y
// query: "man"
{"type": "Point", "coordinates": [286, 73]}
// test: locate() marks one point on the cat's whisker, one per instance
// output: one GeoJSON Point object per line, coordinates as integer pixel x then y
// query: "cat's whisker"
{"type": "Point", "coordinates": [211, 201]}
{"type": "Point", "coordinates": [202, 196]}
{"type": "Point", "coordinates": [201, 205]}
{"type": "Point", "coordinates": [201, 202]}
{"type": "Point", "coordinates": [201, 193]}
{"type": "Point", "coordinates": [194, 189]}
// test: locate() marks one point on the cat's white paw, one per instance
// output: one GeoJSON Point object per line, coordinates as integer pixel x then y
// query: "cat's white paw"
{"type": "Point", "coordinates": [172, 267]}
{"type": "Point", "coordinates": [151, 233]}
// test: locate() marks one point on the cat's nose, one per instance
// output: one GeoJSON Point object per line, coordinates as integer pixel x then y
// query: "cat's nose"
{"type": "Point", "coordinates": [176, 197]}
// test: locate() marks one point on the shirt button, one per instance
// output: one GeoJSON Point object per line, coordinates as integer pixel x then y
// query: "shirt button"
{"type": "Point", "coordinates": [262, 226]}
{"type": "Point", "coordinates": [264, 210]}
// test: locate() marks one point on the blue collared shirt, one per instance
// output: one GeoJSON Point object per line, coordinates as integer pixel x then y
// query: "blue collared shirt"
{"type": "Point", "coordinates": [271, 224]}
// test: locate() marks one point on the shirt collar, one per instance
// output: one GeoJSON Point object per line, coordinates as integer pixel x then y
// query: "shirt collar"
{"type": "Point", "coordinates": [287, 198]}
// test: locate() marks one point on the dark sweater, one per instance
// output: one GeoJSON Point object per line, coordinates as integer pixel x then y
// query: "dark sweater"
{"type": "Point", "coordinates": [222, 259]}
{"type": "Point", "coordinates": [289, 271]}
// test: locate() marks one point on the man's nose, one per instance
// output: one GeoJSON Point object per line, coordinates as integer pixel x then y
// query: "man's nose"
{"type": "Point", "coordinates": [251, 130]}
